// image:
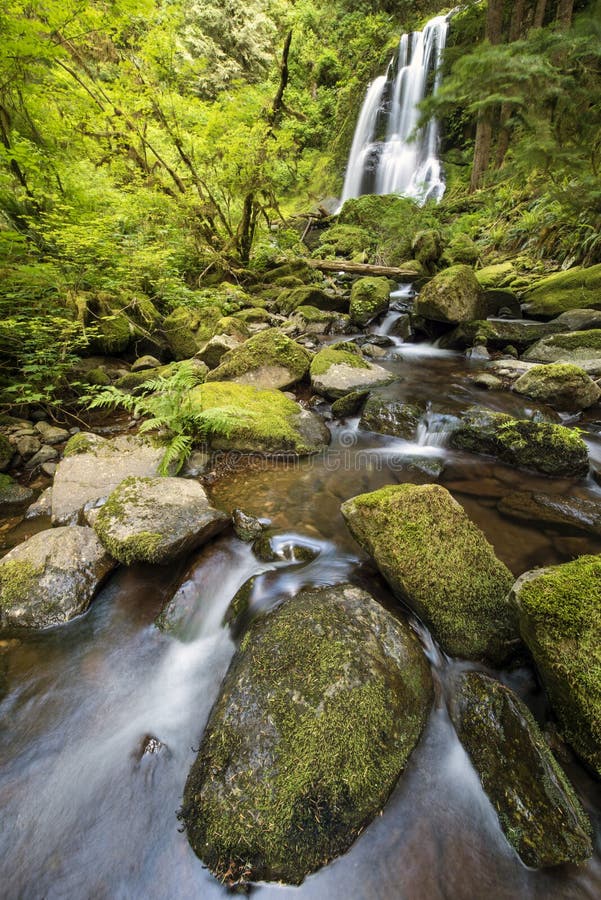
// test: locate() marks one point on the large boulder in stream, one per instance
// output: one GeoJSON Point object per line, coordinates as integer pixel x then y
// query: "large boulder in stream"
{"type": "Point", "coordinates": [318, 715]}
{"type": "Point", "coordinates": [392, 417]}
{"type": "Point", "coordinates": [581, 348]}
{"type": "Point", "coordinates": [536, 804]}
{"type": "Point", "coordinates": [563, 386]}
{"type": "Point", "coordinates": [337, 371]}
{"type": "Point", "coordinates": [244, 418]}
{"type": "Point", "coordinates": [441, 564]}
{"type": "Point", "coordinates": [577, 288]}
{"type": "Point", "coordinates": [546, 448]}
{"type": "Point", "coordinates": [559, 612]}
{"type": "Point", "coordinates": [51, 577]}
{"type": "Point", "coordinates": [369, 298]}
{"type": "Point", "coordinates": [452, 296]}
{"type": "Point", "coordinates": [93, 467]}
{"type": "Point", "coordinates": [156, 520]}
{"type": "Point", "coordinates": [269, 359]}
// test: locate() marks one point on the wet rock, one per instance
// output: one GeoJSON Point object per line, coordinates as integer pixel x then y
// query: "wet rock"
{"type": "Point", "coordinates": [49, 468]}
{"type": "Point", "coordinates": [563, 386]}
{"type": "Point", "coordinates": [550, 449]}
{"type": "Point", "coordinates": [369, 298]}
{"type": "Point", "coordinates": [269, 360]}
{"type": "Point", "coordinates": [308, 295]}
{"type": "Point", "coordinates": [247, 527]}
{"type": "Point", "coordinates": [553, 510]}
{"type": "Point", "coordinates": [479, 353]}
{"type": "Point", "coordinates": [537, 807]}
{"type": "Point", "coordinates": [349, 405]}
{"type": "Point", "coordinates": [45, 454]}
{"type": "Point", "coordinates": [51, 577]}
{"type": "Point", "coordinates": [310, 320]}
{"type": "Point", "coordinates": [240, 605]}
{"type": "Point", "coordinates": [441, 564]}
{"type": "Point", "coordinates": [497, 333]}
{"type": "Point", "coordinates": [42, 506]}
{"type": "Point", "coordinates": [559, 612]}
{"type": "Point", "coordinates": [151, 746]}
{"type": "Point", "coordinates": [337, 372]}
{"type": "Point", "coordinates": [51, 434]}
{"type": "Point", "coordinates": [317, 717]}
{"type": "Point", "coordinates": [7, 451]}
{"type": "Point", "coordinates": [93, 467]}
{"type": "Point", "coordinates": [453, 296]}
{"type": "Point", "coordinates": [496, 276]}
{"type": "Point", "coordinates": [261, 421]}
{"type": "Point", "coordinates": [267, 549]}
{"type": "Point", "coordinates": [581, 348]}
{"type": "Point", "coordinates": [157, 520]}
{"type": "Point", "coordinates": [487, 382]}
{"type": "Point", "coordinates": [392, 417]}
{"type": "Point", "coordinates": [13, 496]}
{"type": "Point", "coordinates": [579, 320]}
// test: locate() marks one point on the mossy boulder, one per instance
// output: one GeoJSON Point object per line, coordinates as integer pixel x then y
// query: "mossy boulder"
{"type": "Point", "coordinates": [349, 405]}
{"type": "Point", "coordinates": [441, 564]}
{"type": "Point", "coordinates": [259, 421]}
{"type": "Point", "coordinates": [113, 333]}
{"type": "Point", "coordinates": [347, 241]}
{"type": "Point", "coordinates": [13, 496]}
{"type": "Point", "coordinates": [581, 348]}
{"type": "Point", "coordinates": [499, 275]}
{"type": "Point", "coordinates": [336, 372]}
{"type": "Point", "coordinates": [7, 451]}
{"type": "Point", "coordinates": [318, 715]}
{"type": "Point", "coordinates": [157, 520]}
{"type": "Point", "coordinates": [427, 247]}
{"type": "Point", "coordinates": [133, 380]}
{"type": "Point", "coordinates": [289, 301]}
{"type": "Point", "coordinates": [188, 330]}
{"type": "Point", "coordinates": [559, 612]}
{"type": "Point", "coordinates": [577, 288]}
{"type": "Point", "coordinates": [369, 298]}
{"type": "Point", "coordinates": [394, 417]}
{"type": "Point", "coordinates": [269, 359]}
{"type": "Point", "coordinates": [452, 296]}
{"type": "Point", "coordinates": [462, 250]}
{"type": "Point", "coordinates": [51, 577]}
{"type": "Point", "coordinates": [310, 320]}
{"type": "Point", "coordinates": [498, 333]}
{"type": "Point", "coordinates": [563, 386]}
{"type": "Point", "coordinates": [546, 448]}
{"type": "Point", "coordinates": [537, 807]}
{"type": "Point", "coordinates": [215, 349]}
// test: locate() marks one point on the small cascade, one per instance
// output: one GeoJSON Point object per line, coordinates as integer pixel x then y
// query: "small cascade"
{"type": "Point", "coordinates": [388, 156]}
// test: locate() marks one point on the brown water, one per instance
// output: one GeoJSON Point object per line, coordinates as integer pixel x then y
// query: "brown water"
{"type": "Point", "coordinates": [86, 814]}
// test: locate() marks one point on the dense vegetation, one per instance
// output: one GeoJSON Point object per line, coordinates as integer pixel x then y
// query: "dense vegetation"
{"type": "Point", "coordinates": [148, 149]}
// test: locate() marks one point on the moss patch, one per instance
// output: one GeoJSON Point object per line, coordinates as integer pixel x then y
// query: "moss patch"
{"type": "Point", "coordinates": [330, 356]}
{"type": "Point", "coordinates": [268, 348]}
{"type": "Point", "coordinates": [441, 564]}
{"type": "Point", "coordinates": [369, 298]}
{"type": "Point", "coordinates": [17, 579]}
{"type": "Point", "coordinates": [575, 289]}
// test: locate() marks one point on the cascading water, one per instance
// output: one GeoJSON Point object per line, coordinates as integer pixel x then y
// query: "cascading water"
{"type": "Point", "coordinates": [388, 155]}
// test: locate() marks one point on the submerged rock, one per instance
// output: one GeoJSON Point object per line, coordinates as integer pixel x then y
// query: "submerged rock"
{"type": "Point", "coordinates": [559, 612]}
{"type": "Point", "coordinates": [392, 417]}
{"type": "Point", "coordinates": [51, 577]}
{"type": "Point", "coordinates": [156, 520]}
{"type": "Point", "coordinates": [336, 372]}
{"type": "Point", "coordinates": [546, 448]}
{"type": "Point", "coordinates": [269, 359]}
{"type": "Point", "coordinates": [553, 509]}
{"type": "Point", "coordinates": [441, 564]}
{"type": "Point", "coordinates": [247, 527]}
{"type": "Point", "coordinates": [369, 298]}
{"type": "Point", "coordinates": [13, 496]}
{"type": "Point", "coordinates": [453, 296]}
{"type": "Point", "coordinates": [318, 715]}
{"type": "Point", "coordinates": [537, 807]}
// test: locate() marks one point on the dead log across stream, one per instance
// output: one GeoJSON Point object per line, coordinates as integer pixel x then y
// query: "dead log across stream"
{"type": "Point", "coordinates": [341, 265]}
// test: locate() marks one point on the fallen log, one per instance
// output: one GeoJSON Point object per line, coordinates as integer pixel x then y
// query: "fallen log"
{"type": "Point", "coordinates": [342, 265]}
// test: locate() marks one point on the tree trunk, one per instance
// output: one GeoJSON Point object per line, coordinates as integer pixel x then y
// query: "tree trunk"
{"type": "Point", "coordinates": [565, 9]}
{"type": "Point", "coordinates": [482, 147]}
{"type": "Point", "coordinates": [341, 265]}
{"type": "Point", "coordinates": [516, 30]}
{"type": "Point", "coordinates": [539, 15]}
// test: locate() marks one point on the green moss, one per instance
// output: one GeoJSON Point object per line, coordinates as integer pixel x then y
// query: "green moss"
{"type": "Point", "coordinates": [453, 295]}
{"type": "Point", "coordinates": [496, 276]}
{"type": "Point", "coordinates": [332, 745]}
{"type": "Point", "coordinates": [256, 315]}
{"type": "Point", "coordinates": [560, 620]}
{"type": "Point", "coordinates": [441, 564]}
{"type": "Point", "coordinates": [590, 340]}
{"type": "Point", "coordinates": [6, 452]}
{"type": "Point", "coordinates": [330, 356]}
{"type": "Point", "coordinates": [268, 348]}
{"type": "Point", "coordinates": [575, 289]}
{"type": "Point", "coordinates": [289, 301]}
{"type": "Point", "coordinates": [314, 315]}
{"type": "Point", "coordinates": [345, 241]}
{"type": "Point", "coordinates": [17, 580]}
{"type": "Point", "coordinates": [462, 249]}
{"type": "Point", "coordinates": [426, 246]}
{"type": "Point", "coordinates": [82, 442]}
{"type": "Point", "coordinates": [369, 298]}
{"type": "Point", "coordinates": [186, 330]}
{"type": "Point", "coordinates": [139, 547]}
{"type": "Point", "coordinates": [113, 334]}
{"type": "Point", "coordinates": [349, 405]}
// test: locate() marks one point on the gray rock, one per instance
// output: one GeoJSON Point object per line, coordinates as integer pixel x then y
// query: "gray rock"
{"type": "Point", "coordinates": [51, 434]}
{"type": "Point", "coordinates": [213, 352]}
{"type": "Point", "coordinates": [537, 807]}
{"type": "Point", "coordinates": [42, 506]}
{"type": "Point", "coordinates": [392, 417]}
{"type": "Point", "coordinates": [88, 476]}
{"type": "Point", "coordinates": [51, 577]}
{"type": "Point", "coordinates": [582, 348]}
{"type": "Point", "coordinates": [565, 387]}
{"type": "Point", "coordinates": [342, 378]}
{"type": "Point", "coordinates": [49, 468]}
{"type": "Point", "coordinates": [317, 717]}
{"type": "Point", "coordinates": [13, 496]}
{"type": "Point", "coordinates": [28, 446]}
{"type": "Point", "coordinates": [553, 509]}
{"type": "Point", "coordinates": [45, 454]}
{"type": "Point", "coordinates": [247, 527]}
{"type": "Point", "coordinates": [144, 363]}
{"type": "Point", "coordinates": [7, 451]}
{"type": "Point", "coordinates": [157, 520]}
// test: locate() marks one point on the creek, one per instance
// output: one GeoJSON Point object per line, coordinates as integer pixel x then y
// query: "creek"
{"type": "Point", "coordinates": [101, 717]}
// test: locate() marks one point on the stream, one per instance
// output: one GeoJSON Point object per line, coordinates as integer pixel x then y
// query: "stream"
{"type": "Point", "coordinates": [101, 718]}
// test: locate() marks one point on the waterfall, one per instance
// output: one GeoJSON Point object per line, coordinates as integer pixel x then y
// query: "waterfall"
{"type": "Point", "coordinates": [388, 155]}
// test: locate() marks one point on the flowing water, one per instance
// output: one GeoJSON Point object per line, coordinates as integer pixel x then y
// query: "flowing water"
{"type": "Point", "coordinates": [99, 719]}
{"type": "Point", "coordinates": [389, 154]}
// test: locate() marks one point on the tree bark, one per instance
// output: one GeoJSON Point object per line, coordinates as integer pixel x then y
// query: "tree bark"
{"type": "Point", "coordinates": [565, 9]}
{"type": "Point", "coordinates": [342, 265]}
{"type": "Point", "coordinates": [482, 147]}
{"type": "Point", "coordinates": [516, 30]}
{"type": "Point", "coordinates": [539, 15]}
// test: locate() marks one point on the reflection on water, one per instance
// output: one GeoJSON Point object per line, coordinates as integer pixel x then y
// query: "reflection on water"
{"type": "Point", "coordinates": [88, 813]}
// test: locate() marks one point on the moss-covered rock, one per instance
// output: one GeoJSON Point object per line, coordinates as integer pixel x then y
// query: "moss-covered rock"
{"type": "Point", "coordinates": [134, 380]}
{"type": "Point", "coordinates": [582, 348]}
{"type": "Point", "coordinates": [560, 620]}
{"type": "Point", "coordinates": [83, 442]}
{"type": "Point", "coordinates": [498, 333]}
{"type": "Point", "coordinates": [289, 301]}
{"type": "Point", "coordinates": [259, 421]}
{"type": "Point", "coordinates": [575, 289]}
{"type": "Point", "coordinates": [51, 577]}
{"type": "Point", "coordinates": [462, 250]}
{"type": "Point", "coordinates": [13, 496]}
{"type": "Point", "coordinates": [393, 417]}
{"type": "Point", "coordinates": [349, 405]}
{"type": "Point", "coordinates": [310, 320]}
{"type": "Point", "coordinates": [7, 451]}
{"type": "Point", "coordinates": [156, 520]}
{"type": "Point", "coordinates": [348, 241]}
{"type": "Point", "coordinates": [113, 333]}
{"type": "Point", "coordinates": [546, 448]}
{"type": "Point", "coordinates": [441, 564]}
{"type": "Point", "coordinates": [427, 247]}
{"type": "Point", "coordinates": [269, 359]}
{"type": "Point", "coordinates": [499, 275]}
{"type": "Point", "coordinates": [537, 807]}
{"type": "Point", "coordinates": [454, 295]}
{"type": "Point", "coordinates": [336, 372]}
{"type": "Point", "coordinates": [369, 298]}
{"type": "Point", "coordinates": [188, 330]}
{"type": "Point", "coordinates": [563, 386]}
{"type": "Point", "coordinates": [318, 715]}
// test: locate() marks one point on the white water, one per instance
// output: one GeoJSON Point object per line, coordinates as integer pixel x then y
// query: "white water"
{"type": "Point", "coordinates": [402, 160]}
